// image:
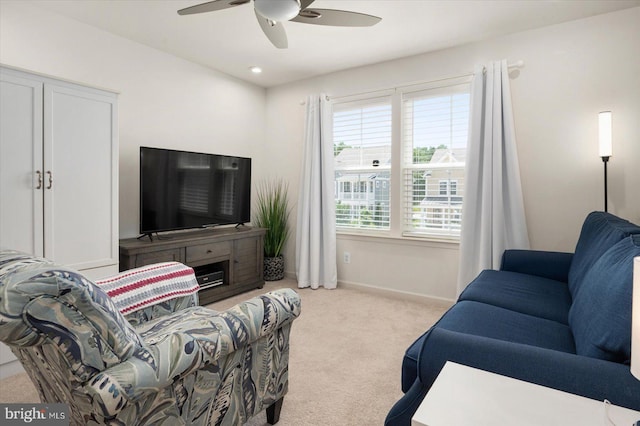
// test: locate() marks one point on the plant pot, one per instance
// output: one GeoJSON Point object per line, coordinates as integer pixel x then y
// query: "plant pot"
{"type": "Point", "coordinates": [273, 268]}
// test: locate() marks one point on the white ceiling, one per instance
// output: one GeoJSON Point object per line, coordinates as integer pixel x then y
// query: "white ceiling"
{"type": "Point", "coordinates": [231, 40]}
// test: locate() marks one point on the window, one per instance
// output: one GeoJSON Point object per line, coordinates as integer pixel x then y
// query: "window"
{"type": "Point", "coordinates": [444, 185]}
{"type": "Point", "coordinates": [435, 127]}
{"type": "Point", "coordinates": [415, 172]}
{"type": "Point", "coordinates": [362, 159]}
{"type": "Point", "coordinates": [448, 187]}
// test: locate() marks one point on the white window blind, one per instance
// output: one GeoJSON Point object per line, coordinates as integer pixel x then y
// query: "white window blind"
{"type": "Point", "coordinates": [362, 159]}
{"type": "Point", "coordinates": [435, 126]}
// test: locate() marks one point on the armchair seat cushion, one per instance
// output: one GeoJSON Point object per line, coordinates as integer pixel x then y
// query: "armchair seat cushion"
{"type": "Point", "coordinates": [524, 293]}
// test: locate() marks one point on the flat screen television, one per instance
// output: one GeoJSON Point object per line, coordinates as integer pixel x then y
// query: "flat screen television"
{"type": "Point", "coordinates": [182, 190]}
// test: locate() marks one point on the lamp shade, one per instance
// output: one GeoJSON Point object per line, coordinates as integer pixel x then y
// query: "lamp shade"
{"type": "Point", "coordinates": [635, 320]}
{"type": "Point", "coordinates": [277, 10]}
{"type": "Point", "coordinates": [604, 120]}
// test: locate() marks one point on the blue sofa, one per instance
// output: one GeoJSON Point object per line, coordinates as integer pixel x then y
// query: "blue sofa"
{"type": "Point", "coordinates": [560, 320]}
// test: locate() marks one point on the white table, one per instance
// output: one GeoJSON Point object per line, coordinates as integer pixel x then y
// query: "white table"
{"type": "Point", "coordinates": [463, 396]}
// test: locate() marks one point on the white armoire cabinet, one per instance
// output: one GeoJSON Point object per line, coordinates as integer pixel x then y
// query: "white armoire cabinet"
{"type": "Point", "coordinates": [58, 173]}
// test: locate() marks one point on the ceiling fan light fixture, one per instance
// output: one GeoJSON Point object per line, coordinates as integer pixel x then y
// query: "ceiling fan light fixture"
{"type": "Point", "coordinates": [278, 10]}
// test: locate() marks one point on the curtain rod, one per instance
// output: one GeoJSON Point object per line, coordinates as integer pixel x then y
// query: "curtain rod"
{"type": "Point", "coordinates": [517, 64]}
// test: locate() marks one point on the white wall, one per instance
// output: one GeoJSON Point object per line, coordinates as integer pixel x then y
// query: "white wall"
{"type": "Point", "coordinates": [164, 101]}
{"type": "Point", "coordinates": [572, 71]}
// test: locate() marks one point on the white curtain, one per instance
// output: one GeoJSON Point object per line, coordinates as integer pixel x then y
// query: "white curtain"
{"type": "Point", "coordinates": [316, 228]}
{"type": "Point", "coordinates": [493, 216]}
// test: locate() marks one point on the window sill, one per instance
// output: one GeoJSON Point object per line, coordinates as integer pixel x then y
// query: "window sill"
{"type": "Point", "coordinates": [445, 243]}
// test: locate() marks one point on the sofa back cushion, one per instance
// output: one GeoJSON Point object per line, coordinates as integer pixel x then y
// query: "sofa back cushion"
{"type": "Point", "coordinates": [600, 231]}
{"type": "Point", "coordinates": [600, 316]}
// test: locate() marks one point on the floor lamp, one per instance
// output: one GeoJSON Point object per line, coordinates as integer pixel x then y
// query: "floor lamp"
{"type": "Point", "coordinates": [604, 119]}
{"type": "Point", "coordinates": [635, 322]}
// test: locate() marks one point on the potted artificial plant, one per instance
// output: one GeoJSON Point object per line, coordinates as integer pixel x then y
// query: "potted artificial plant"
{"type": "Point", "coordinates": [272, 213]}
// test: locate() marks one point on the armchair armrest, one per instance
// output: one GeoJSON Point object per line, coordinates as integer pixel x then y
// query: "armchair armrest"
{"type": "Point", "coordinates": [180, 344]}
{"type": "Point", "coordinates": [589, 377]}
{"type": "Point", "coordinates": [545, 264]}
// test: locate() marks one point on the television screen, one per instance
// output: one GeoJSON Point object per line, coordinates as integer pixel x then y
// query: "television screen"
{"type": "Point", "coordinates": [180, 190]}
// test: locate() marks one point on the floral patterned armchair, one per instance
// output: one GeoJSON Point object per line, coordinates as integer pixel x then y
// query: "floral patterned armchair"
{"type": "Point", "coordinates": [170, 362]}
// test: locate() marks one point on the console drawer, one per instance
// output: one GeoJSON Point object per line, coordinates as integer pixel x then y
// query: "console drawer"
{"type": "Point", "coordinates": [208, 251]}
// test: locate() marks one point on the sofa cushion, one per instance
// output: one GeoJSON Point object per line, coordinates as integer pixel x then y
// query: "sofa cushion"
{"type": "Point", "coordinates": [599, 232]}
{"type": "Point", "coordinates": [498, 323]}
{"type": "Point", "coordinates": [494, 322]}
{"type": "Point", "coordinates": [600, 317]}
{"type": "Point", "coordinates": [527, 294]}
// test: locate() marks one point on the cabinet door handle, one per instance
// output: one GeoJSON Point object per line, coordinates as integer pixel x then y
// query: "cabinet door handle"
{"type": "Point", "coordinates": [39, 173]}
{"type": "Point", "coordinates": [209, 251]}
{"type": "Point", "coordinates": [50, 179]}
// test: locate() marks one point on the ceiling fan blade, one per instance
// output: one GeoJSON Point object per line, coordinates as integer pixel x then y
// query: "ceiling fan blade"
{"type": "Point", "coordinates": [274, 31]}
{"type": "Point", "coordinates": [305, 4]}
{"type": "Point", "coordinates": [211, 6]}
{"type": "Point", "coordinates": [338, 18]}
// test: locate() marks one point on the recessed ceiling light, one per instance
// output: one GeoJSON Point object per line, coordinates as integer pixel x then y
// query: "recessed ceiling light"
{"type": "Point", "coordinates": [255, 70]}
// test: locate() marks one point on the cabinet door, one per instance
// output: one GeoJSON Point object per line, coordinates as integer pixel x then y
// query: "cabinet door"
{"type": "Point", "coordinates": [171, 255]}
{"type": "Point", "coordinates": [80, 177]}
{"type": "Point", "coordinates": [20, 159]}
{"type": "Point", "coordinates": [20, 162]}
{"type": "Point", "coordinates": [248, 261]}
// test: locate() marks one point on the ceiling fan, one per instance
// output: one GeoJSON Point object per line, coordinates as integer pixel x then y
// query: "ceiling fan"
{"type": "Point", "coordinates": [272, 13]}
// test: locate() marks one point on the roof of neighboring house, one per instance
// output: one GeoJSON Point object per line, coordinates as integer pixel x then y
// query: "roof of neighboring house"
{"type": "Point", "coordinates": [363, 157]}
{"type": "Point", "coordinates": [350, 158]}
{"type": "Point", "coordinates": [445, 155]}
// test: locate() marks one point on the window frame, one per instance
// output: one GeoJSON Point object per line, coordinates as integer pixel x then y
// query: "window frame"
{"type": "Point", "coordinates": [380, 98]}
{"type": "Point", "coordinates": [395, 184]}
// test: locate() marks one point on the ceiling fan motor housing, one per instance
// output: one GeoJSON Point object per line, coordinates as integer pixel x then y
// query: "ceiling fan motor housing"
{"type": "Point", "coordinates": [278, 10]}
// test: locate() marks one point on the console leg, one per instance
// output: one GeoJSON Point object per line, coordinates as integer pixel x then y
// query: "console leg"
{"type": "Point", "coordinates": [273, 411]}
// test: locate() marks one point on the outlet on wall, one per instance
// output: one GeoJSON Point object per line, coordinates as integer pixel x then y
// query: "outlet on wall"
{"type": "Point", "coordinates": [347, 257]}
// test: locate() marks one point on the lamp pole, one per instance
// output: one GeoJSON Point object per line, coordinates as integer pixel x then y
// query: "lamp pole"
{"type": "Point", "coordinates": [605, 160]}
{"type": "Point", "coordinates": [605, 138]}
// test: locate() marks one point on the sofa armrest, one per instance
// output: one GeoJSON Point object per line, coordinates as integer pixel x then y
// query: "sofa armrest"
{"type": "Point", "coordinates": [589, 377]}
{"type": "Point", "coordinates": [545, 264]}
{"type": "Point", "coordinates": [180, 344]}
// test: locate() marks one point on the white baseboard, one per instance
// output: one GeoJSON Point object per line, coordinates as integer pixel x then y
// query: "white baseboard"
{"type": "Point", "coordinates": [397, 294]}
{"type": "Point", "coordinates": [387, 292]}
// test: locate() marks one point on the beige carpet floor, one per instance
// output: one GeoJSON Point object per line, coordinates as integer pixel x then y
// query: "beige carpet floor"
{"type": "Point", "coordinates": [345, 357]}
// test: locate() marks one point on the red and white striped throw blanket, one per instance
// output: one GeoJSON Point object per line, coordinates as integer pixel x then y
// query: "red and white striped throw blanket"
{"type": "Point", "coordinates": [138, 288]}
